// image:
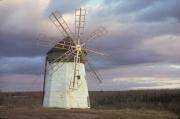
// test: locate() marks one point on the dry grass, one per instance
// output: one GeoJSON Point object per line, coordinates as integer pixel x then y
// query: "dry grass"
{"type": "Point", "coordinates": [28, 106]}
{"type": "Point", "coordinates": [45, 113]}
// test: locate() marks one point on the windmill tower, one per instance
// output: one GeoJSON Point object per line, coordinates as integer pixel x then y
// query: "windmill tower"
{"type": "Point", "coordinates": [65, 85]}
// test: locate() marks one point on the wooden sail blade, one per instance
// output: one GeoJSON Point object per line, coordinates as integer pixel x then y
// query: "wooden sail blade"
{"type": "Point", "coordinates": [95, 72]}
{"type": "Point", "coordinates": [99, 32]}
{"type": "Point", "coordinates": [44, 40]}
{"type": "Point", "coordinates": [63, 58]}
{"type": "Point", "coordinates": [58, 66]}
{"type": "Point", "coordinates": [80, 15]}
{"type": "Point", "coordinates": [92, 69]}
{"type": "Point", "coordinates": [61, 24]}
{"type": "Point", "coordinates": [94, 51]}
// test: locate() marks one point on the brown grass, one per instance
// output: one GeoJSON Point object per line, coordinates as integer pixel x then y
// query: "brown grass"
{"type": "Point", "coordinates": [45, 113]}
{"type": "Point", "coordinates": [106, 105]}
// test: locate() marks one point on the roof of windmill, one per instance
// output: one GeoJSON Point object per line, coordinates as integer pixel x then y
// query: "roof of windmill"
{"type": "Point", "coordinates": [59, 50]}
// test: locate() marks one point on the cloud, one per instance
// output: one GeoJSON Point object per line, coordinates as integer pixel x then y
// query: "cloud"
{"type": "Point", "coordinates": [22, 17]}
{"type": "Point", "coordinates": [21, 21]}
{"type": "Point", "coordinates": [166, 47]}
{"type": "Point", "coordinates": [22, 65]}
{"type": "Point", "coordinates": [161, 11]}
{"type": "Point", "coordinates": [21, 82]}
{"type": "Point", "coordinates": [175, 66]}
{"type": "Point", "coordinates": [20, 45]}
{"type": "Point", "coordinates": [143, 11]}
{"type": "Point", "coordinates": [128, 6]}
{"type": "Point", "coordinates": [143, 76]}
{"type": "Point", "coordinates": [64, 6]}
{"type": "Point", "coordinates": [149, 82]}
{"type": "Point", "coordinates": [143, 35]}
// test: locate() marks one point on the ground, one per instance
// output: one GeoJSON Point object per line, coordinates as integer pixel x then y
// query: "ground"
{"type": "Point", "coordinates": [45, 113]}
{"type": "Point", "coordinates": [154, 104]}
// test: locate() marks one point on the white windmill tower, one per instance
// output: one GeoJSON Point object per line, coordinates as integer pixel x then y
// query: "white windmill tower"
{"type": "Point", "coordinates": [65, 85]}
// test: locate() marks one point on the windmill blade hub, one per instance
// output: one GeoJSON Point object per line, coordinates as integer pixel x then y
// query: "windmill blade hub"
{"type": "Point", "coordinates": [78, 48]}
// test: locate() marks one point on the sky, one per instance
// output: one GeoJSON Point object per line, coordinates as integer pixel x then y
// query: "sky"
{"type": "Point", "coordinates": [142, 42]}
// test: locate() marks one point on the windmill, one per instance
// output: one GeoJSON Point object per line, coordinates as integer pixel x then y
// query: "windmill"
{"type": "Point", "coordinates": [65, 85]}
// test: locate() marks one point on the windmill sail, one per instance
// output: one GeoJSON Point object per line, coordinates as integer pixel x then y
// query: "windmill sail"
{"type": "Point", "coordinates": [80, 15]}
{"type": "Point", "coordinates": [61, 24]}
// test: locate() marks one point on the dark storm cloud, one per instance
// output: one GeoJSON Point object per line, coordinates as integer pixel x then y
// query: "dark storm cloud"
{"type": "Point", "coordinates": [19, 52]}
{"type": "Point", "coordinates": [125, 49]}
{"type": "Point", "coordinates": [120, 57]}
{"type": "Point", "coordinates": [162, 10]}
{"type": "Point", "coordinates": [21, 65]}
{"type": "Point", "coordinates": [20, 45]}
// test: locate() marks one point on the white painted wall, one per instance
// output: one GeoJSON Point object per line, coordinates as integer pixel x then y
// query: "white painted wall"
{"type": "Point", "coordinates": [57, 91]}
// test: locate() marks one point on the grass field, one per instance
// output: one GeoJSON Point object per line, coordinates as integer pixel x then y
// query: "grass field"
{"type": "Point", "coordinates": [44, 113]}
{"type": "Point", "coordinates": [160, 104]}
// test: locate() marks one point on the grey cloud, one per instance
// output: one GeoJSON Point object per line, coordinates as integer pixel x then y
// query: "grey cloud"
{"type": "Point", "coordinates": [64, 6]}
{"type": "Point", "coordinates": [18, 51]}
{"type": "Point", "coordinates": [157, 71]}
{"type": "Point", "coordinates": [120, 58]}
{"type": "Point", "coordinates": [161, 11]}
{"type": "Point", "coordinates": [22, 65]}
{"type": "Point", "coordinates": [128, 6]}
{"type": "Point", "coordinates": [21, 82]}
{"type": "Point", "coordinates": [143, 10]}
{"type": "Point", "coordinates": [116, 86]}
{"type": "Point", "coordinates": [20, 45]}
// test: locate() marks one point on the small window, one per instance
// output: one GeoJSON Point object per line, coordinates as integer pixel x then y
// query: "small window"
{"type": "Point", "coordinates": [78, 77]}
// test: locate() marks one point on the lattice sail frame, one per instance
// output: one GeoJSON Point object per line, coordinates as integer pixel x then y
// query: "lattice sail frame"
{"type": "Point", "coordinates": [80, 18]}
